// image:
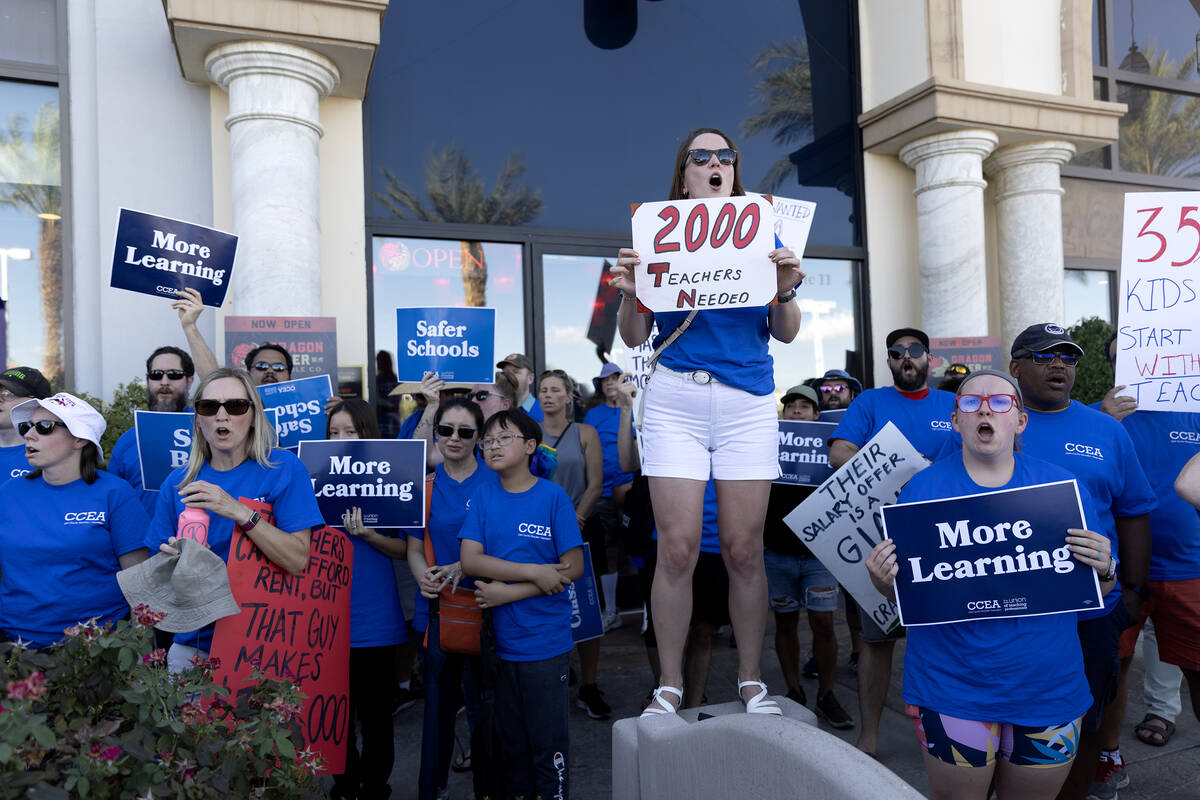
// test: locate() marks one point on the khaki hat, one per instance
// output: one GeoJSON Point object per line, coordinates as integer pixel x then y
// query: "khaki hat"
{"type": "Point", "coordinates": [192, 588]}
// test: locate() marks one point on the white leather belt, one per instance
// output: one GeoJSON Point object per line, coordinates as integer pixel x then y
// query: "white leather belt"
{"type": "Point", "coordinates": [699, 376]}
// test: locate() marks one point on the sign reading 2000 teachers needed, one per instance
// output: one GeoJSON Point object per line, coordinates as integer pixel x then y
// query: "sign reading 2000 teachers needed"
{"type": "Point", "coordinates": [159, 256]}
{"type": "Point", "coordinates": [456, 343]}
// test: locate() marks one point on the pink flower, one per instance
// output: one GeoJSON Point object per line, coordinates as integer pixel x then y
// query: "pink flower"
{"type": "Point", "coordinates": [104, 754]}
{"type": "Point", "coordinates": [285, 710]}
{"type": "Point", "coordinates": [155, 656]}
{"type": "Point", "coordinates": [146, 616]}
{"type": "Point", "coordinates": [30, 688]}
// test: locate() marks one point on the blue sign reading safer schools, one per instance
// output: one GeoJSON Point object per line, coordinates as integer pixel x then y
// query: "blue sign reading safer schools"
{"type": "Point", "coordinates": [587, 622]}
{"type": "Point", "coordinates": [164, 442]}
{"type": "Point", "coordinates": [804, 452]}
{"type": "Point", "coordinates": [297, 408]}
{"type": "Point", "coordinates": [456, 343]}
{"type": "Point", "coordinates": [159, 256]}
{"type": "Point", "coordinates": [996, 554]}
{"type": "Point", "coordinates": [383, 477]}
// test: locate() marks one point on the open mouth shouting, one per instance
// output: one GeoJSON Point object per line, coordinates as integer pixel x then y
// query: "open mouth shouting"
{"type": "Point", "coordinates": [715, 180]}
{"type": "Point", "coordinates": [984, 432]}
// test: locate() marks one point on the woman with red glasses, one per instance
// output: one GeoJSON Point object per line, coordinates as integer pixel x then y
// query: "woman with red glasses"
{"type": "Point", "coordinates": [710, 411]}
{"type": "Point", "coordinates": [1012, 687]}
{"type": "Point", "coordinates": [234, 457]}
{"type": "Point", "coordinates": [66, 528]}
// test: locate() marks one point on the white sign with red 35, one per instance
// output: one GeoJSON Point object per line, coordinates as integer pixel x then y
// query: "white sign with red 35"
{"type": "Point", "coordinates": [1158, 341]}
{"type": "Point", "coordinates": [705, 253]}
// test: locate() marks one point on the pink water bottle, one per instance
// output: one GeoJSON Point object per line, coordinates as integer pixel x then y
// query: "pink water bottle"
{"type": "Point", "coordinates": [193, 524]}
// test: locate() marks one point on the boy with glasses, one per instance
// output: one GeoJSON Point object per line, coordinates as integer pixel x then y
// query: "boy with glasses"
{"type": "Point", "coordinates": [16, 386]}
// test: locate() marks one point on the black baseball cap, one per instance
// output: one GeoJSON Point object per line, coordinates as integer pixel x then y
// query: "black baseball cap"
{"type": "Point", "coordinates": [916, 333]}
{"type": "Point", "coordinates": [27, 382]}
{"type": "Point", "coordinates": [1043, 336]}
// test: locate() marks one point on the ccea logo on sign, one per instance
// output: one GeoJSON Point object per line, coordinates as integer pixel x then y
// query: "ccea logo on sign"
{"type": "Point", "coordinates": [983, 605]}
{"type": "Point", "coordinates": [1073, 448]}
{"type": "Point", "coordinates": [84, 517]}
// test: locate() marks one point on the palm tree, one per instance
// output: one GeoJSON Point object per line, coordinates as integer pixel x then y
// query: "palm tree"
{"type": "Point", "coordinates": [786, 97]}
{"type": "Point", "coordinates": [1164, 138]}
{"type": "Point", "coordinates": [457, 195]}
{"type": "Point", "coordinates": [30, 180]}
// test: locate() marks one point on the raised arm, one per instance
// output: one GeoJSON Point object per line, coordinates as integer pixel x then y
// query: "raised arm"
{"type": "Point", "coordinates": [634, 325]}
{"type": "Point", "coordinates": [189, 305]}
{"type": "Point", "coordinates": [783, 318]}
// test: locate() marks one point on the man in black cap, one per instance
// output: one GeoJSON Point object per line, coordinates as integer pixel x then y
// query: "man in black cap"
{"type": "Point", "coordinates": [16, 386]}
{"type": "Point", "coordinates": [520, 369]}
{"type": "Point", "coordinates": [837, 388]}
{"type": "Point", "coordinates": [1096, 449]}
{"type": "Point", "coordinates": [923, 416]}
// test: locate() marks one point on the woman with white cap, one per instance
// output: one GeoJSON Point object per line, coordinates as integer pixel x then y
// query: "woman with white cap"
{"type": "Point", "coordinates": [66, 528]}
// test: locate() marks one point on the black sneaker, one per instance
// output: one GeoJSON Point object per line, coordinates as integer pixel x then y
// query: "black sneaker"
{"type": "Point", "coordinates": [591, 700]}
{"type": "Point", "coordinates": [404, 700]}
{"type": "Point", "coordinates": [810, 667]}
{"type": "Point", "coordinates": [797, 695]}
{"type": "Point", "coordinates": [831, 710]}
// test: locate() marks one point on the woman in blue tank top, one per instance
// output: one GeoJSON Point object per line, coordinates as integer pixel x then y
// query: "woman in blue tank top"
{"type": "Point", "coordinates": [710, 411]}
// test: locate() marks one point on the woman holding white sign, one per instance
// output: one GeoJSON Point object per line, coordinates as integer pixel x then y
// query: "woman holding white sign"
{"type": "Point", "coordinates": [1008, 686]}
{"type": "Point", "coordinates": [710, 410]}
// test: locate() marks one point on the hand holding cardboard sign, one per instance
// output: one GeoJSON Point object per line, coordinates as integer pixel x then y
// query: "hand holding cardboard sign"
{"type": "Point", "coordinates": [787, 269]}
{"type": "Point", "coordinates": [882, 566]}
{"type": "Point", "coordinates": [622, 273]}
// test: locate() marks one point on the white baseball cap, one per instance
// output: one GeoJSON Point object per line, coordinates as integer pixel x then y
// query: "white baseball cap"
{"type": "Point", "coordinates": [81, 419]}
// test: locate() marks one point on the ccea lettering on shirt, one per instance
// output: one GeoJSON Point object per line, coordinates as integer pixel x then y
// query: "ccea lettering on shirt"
{"type": "Point", "coordinates": [925, 422]}
{"type": "Point", "coordinates": [13, 463]}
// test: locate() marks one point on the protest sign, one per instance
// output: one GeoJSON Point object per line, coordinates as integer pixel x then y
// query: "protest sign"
{"type": "Point", "coordinates": [840, 522]}
{"type": "Point", "coordinates": [164, 443]}
{"type": "Point", "coordinates": [990, 555]}
{"type": "Point", "coordinates": [296, 627]}
{"type": "Point", "coordinates": [804, 452]}
{"type": "Point", "coordinates": [297, 408]}
{"type": "Point", "coordinates": [602, 327]}
{"type": "Point", "coordinates": [310, 341]}
{"type": "Point", "coordinates": [832, 415]}
{"type": "Point", "coordinates": [689, 262]}
{"type": "Point", "coordinates": [587, 621]}
{"type": "Point", "coordinates": [976, 352]}
{"type": "Point", "coordinates": [793, 221]}
{"type": "Point", "coordinates": [350, 381]}
{"type": "Point", "coordinates": [159, 256]}
{"type": "Point", "coordinates": [383, 477]}
{"type": "Point", "coordinates": [1158, 346]}
{"type": "Point", "coordinates": [456, 343]}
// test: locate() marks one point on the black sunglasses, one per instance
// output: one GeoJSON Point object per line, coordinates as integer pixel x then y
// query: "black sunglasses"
{"type": "Point", "coordinates": [701, 156]}
{"type": "Point", "coordinates": [266, 366]}
{"type": "Point", "coordinates": [44, 427]}
{"type": "Point", "coordinates": [1048, 358]}
{"type": "Point", "coordinates": [464, 432]}
{"type": "Point", "coordinates": [235, 407]}
{"type": "Point", "coordinates": [172, 374]}
{"type": "Point", "coordinates": [896, 352]}
{"type": "Point", "coordinates": [481, 395]}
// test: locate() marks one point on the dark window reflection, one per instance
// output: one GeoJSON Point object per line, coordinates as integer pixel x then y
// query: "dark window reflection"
{"type": "Point", "coordinates": [1156, 37]}
{"type": "Point", "coordinates": [592, 130]}
{"type": "Point", "coordinates": [1163, 136]}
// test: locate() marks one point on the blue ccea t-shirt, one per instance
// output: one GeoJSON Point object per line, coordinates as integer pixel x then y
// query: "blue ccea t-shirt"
{"type": "Point", "coordinates": [286, 486]}
{"type": "Point", "coordinates": [607, 422]}
{"type": "Point", "coordinates": [1022, 670]}
{"type": "Point", "coordinates": [536, 526]}
{"type": "Point", "coordinates": [59, 554]}
{"type": "Point", "coordinates": [924, 421]}
{"type": "Point", "coordinates": [730, 343]}
{"type": "Point", "coordinates": [447, 510]}
{"type": "Point", "coordinates": [126, 465]}
{"type": "Point", "coordinates": [13, 463]}
{"type": "Point", "coordinates": [376, 616]}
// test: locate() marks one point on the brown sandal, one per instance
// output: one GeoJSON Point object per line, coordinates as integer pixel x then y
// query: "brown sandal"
{"type": "Point", "coordinates": [1154, 730]}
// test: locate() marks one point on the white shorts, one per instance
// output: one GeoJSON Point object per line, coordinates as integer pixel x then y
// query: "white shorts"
{"type": "Point", "coordinates": [692, 430]}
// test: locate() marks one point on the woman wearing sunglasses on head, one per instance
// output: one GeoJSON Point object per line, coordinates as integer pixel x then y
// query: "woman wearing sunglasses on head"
{"type": "Point", "coordinates": [1010, 687]}
{"type": "Point", "coordinates": [710, 410]}
{"type": "Point", "coordinates": [66, 528]}
{"type": "Point", "coordinates": [234, 457]}
{"type": "Point", "coordinates": [377, 626]}
{"type": "Point", "coordinates": [456, 426]}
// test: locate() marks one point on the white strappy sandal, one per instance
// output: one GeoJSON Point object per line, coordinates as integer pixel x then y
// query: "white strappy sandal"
{"type": "Point", "coordinates": [761, 703]}
{"type": "Point", "coordinates": [660, 705]}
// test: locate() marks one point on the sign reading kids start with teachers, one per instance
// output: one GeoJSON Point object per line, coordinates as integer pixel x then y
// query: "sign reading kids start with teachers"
{"type": "Point", "coordinates": [159, 256]}
{"type": "Point", "coordinates": [699, 254]}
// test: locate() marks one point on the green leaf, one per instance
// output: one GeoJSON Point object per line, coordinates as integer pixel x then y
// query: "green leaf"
{"type": "Point", "coordinates": [286, 748]}
{"type": "Point", "coordinates": [6, 751]}
{"type": "Point", "coordinates": [44, 736]}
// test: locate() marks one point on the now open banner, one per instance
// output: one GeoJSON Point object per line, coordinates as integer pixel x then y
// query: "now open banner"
{"type": "Point", "coordinates": [159, 256]}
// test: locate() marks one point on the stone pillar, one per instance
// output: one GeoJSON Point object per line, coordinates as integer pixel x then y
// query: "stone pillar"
{"type": "Point", "coordinates": [1029, 233]}
{"type": "Point", "coordinates": [274, 91]}
{"type": "Point", "coordinates": [950, 231]}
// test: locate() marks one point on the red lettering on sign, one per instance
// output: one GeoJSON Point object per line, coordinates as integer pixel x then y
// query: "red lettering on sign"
{"type": "Point", "coordinates": [670, 215]}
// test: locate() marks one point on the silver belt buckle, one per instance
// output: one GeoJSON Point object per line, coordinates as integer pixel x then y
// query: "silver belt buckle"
{"type": "Point", "coordinates": [701, 377]}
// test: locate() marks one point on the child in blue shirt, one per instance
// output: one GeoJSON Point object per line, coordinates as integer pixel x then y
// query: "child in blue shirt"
{"type": "Point", "coordinates": [522, 536]}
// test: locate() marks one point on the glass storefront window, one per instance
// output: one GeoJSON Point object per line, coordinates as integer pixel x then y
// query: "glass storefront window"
{"type": "Point", "coordinates": [1161, 133]}
{"type": "Point", "coordinates": [1086, 293]}
{"type": "Point", "coordinates": [1156, 37]}
{"type": "Point", "coordinates": [31, 268]}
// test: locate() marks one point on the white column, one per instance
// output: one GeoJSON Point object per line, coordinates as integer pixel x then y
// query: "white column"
{"type": "Point", "coordinates": [274, 91]}
{"type": "Point", "coordinates": [1029, 233]}
{"type": "Point", "coordinates": [950, 231]}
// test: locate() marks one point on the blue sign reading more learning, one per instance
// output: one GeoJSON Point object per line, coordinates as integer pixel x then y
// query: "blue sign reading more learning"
{"type": "Point", "coordinates": [804, 452]}
{"type": "Point", "coordinates": [456, 343]}
{"type": "Point", "coordinates": [159, 256]}
{"type": "Point", "coordinates": [383, 477]}
{"type": "Point", "coordinates": [164, 443]}
{"type": "Point", "coordinates": [297, 408]}
{"type": "Point", "coordinates": [996, 554]}
{"type": "Point", "coordinates": [587, 621]}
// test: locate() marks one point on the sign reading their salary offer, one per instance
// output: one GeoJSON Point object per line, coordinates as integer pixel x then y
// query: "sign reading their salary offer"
{"type": "Point", "coordinates": [159, 256]}
{"type": "Point", "coordinates": [383, 477]}
{"type": "Point", "coordinates": [841, 521]}
{"type": "Point", "coordinates": [295, 627]}
{"type": "Point", "coordinates": [456, 343]}
{"type": "Point", "coordinates": [996, 554]}
{"type": "Point", "coordinates": [804, 452]}
{"type": "Point", "coordinates": [297, 408]}
{"type": "Point", "coordinates": [1158, 330]}
{"type": "Point", "coordinates": [310, 341]}
{"type": "Point", "coordinates": [699, 254]}
{"type": "Point", "coordinates": [164, 443]}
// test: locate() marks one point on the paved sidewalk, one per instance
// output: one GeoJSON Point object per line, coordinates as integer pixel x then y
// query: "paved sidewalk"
{"type": "Point", "coordinates": [1157, 773]}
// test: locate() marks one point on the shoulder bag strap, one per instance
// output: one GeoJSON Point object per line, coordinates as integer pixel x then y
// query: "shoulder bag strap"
{"type": "Point", "coordinates": [653, 361]}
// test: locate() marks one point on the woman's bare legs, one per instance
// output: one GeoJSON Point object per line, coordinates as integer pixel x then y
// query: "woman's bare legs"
{"type": "Point", "coordinates": [741, 510]}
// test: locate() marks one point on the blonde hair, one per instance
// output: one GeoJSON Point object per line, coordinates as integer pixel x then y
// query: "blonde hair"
{"type": "Point", "coordinates": [259, 444]}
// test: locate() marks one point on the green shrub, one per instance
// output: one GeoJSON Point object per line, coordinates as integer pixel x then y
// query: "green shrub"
{"type": "Point", "coordinates": [128, 398]}
{"type": "Point", "coordinates": [1093, 376]}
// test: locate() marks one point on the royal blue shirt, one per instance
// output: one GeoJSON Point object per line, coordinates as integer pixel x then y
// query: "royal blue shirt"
{"type": "Point", "coordinates": [1023, 670]}
{"type": "Point", "coordinates": [409, 426]}
{"type": "Point", "coordinates": [126, 464]}
{"type": "Point", "coordinates": [376, 616]}
{"type": "Point", "coordinates": [536, 526]}
{"type": "Point", "coordinates": [533, 408]}
{"type": "Point", "coordinates": [607, 422]}
{"type": "Point", "coordinates": [13, 463]}
{"type": "Point", "coordinates": [925, 422]}
{"type": "Point", "coordinates": [60, 549]}
{"type": "Point", "coordinates": [730, 343]}
{"type": "Point", "coordinates": [286, 486]}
